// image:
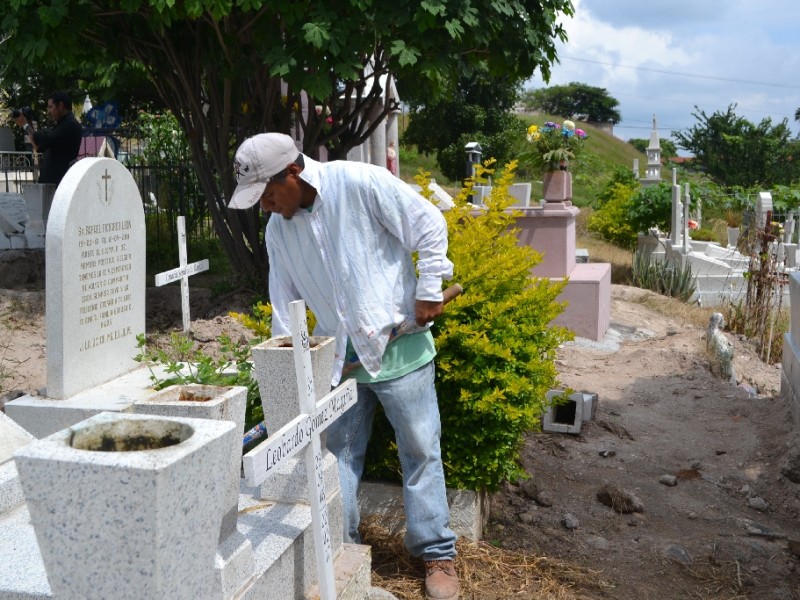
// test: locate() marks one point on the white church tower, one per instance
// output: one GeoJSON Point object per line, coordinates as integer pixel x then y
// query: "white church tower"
{"type": "Point", "coordinates": [653, 171]}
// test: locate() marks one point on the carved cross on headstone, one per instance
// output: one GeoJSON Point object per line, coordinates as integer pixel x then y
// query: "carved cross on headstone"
{"type": "Point", "coordinates": [105, 179]}
{"type": "Point", "coordinates": [302, 433]}
{"type": "Point", "coordinates": [182, 272]}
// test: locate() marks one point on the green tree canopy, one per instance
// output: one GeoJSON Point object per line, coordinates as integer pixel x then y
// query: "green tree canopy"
{"type": "Point", "coordinates": [478, 111]}
{"type": "Point", "coordinates": [228, 70]}
{"type": "Point", "coordinates": [668, 147]}
{"type": "Point", "coordinates": [735, 152]}
{"type": "Point", "coordinates": [574, 101]}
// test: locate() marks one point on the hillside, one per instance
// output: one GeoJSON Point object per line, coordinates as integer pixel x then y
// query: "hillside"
{"type": "Point", "coordinates": [604, 153]}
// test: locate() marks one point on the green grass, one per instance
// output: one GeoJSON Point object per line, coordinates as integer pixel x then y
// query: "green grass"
{"type": "Point", "coordinates": [603, 154]}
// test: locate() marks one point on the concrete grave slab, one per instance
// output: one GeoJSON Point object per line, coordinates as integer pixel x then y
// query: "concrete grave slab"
{"type": "Point", "coordinates": [12, 438]}
{"type": "Point", "coordinates": [13, 213]}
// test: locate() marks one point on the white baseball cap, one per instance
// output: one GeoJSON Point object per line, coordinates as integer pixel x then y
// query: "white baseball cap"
{"type": "Point", "coordinates": [257, 159]}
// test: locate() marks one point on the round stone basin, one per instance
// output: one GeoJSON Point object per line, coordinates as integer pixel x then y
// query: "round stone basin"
{"type": "Point", "coordinates": [128, 435]}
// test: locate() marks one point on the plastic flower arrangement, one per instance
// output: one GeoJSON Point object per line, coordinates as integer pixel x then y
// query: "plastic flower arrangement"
{"type": "Point", "coordinates": [554, 145]}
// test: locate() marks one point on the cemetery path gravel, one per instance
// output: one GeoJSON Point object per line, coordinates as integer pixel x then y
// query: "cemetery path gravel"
{"type": "Point", "coordinates": [729, 527]}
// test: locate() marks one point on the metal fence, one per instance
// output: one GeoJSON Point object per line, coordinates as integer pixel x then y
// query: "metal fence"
{"type": "Point", "coordinates": [167, 192]}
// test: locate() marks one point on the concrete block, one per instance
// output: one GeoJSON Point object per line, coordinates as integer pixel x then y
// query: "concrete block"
{"type": "Point", "coordinates": [469, 510]}
{"type": "Point", "coordinates": [581, 256]}
{"type": "Point", "coordinates": [563, 418]}
{"type": "Point", "coordinates": [589, 406]}
{"type": "Point", "coordinates": [588, 294]}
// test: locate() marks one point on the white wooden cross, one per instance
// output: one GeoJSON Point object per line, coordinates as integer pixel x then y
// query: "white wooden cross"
{"type": "Point", "coordinates": [302, 433]}
{"type": "Point", "coordinates": [182, 272]}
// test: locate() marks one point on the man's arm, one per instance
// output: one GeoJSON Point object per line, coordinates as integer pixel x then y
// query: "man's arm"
{"type": "Point", "coordinates": [421, 228]}
{"type": "Point", "coordinates": [281, 292]}
{"type": "Point", "coordinates": [62, 135]}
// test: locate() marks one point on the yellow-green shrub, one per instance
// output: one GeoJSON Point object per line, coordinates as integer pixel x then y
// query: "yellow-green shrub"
{"type": "Point", "coordinates": [496, 348]}
{"type": "Point", "coordinates": [610, 221]}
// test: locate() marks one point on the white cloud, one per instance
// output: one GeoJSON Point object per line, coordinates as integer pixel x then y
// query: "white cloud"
{"type": "Point", "coordinates": [665, 58]}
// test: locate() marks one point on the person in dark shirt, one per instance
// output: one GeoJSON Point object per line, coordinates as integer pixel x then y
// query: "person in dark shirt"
{"type": "Point", "coordinates": [60, 144]}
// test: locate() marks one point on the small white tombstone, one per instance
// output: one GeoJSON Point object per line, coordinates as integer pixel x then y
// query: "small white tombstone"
{"type": "Point", "coordinates": [95, 269]}
{"type": "Point", "coordinates": [183, 272]}
{"type": "Point", "coordinates": [763, 206]}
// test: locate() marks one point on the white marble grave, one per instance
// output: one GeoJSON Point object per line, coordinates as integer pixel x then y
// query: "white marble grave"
{"type": "Point", "coordinates": [95, 297]}
{"type": "Point", "coordinates": [95, 277]}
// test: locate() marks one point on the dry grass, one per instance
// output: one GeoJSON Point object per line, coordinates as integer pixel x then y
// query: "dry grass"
{"type": "Point", "coordinates": [485, 572]}
{"type": "Point", "coordinates": [602, 252]}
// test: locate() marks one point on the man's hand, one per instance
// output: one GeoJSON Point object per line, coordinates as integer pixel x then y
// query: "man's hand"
{"type": "Point", "coordinates": [426, 311]}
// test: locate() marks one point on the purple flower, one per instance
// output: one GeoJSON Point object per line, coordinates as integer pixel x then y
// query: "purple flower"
{"type": "Point", "coordinates": [581, 133]}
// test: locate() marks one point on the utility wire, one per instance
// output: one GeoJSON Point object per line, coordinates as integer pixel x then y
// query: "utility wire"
{"type": "Point", "coordinates": [676, 73]}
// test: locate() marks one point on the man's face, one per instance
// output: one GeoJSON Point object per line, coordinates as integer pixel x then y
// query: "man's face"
{"type": "Point", "coordinates": [55, 110]}
{"type": "Point", "coordinates": [282, 195]}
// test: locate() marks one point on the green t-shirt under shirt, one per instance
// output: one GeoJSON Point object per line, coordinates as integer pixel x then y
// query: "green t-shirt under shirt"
{"type": "Point", "coordinates": [404, 354]}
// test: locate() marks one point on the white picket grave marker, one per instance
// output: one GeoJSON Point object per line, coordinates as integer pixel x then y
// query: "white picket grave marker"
{"type": "Point", "coordinates": [183, 272]}
{"type": "Point", "coordinates": [300, 433]}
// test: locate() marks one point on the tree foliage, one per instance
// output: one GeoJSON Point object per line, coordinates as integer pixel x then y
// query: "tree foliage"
{"type": "Point", "coordinates": [574, 101]}
{"type": "Point", "coordinates": [735, 152]}
{"type": "Point", "coordinates": [227, 70]}
{"type": "Point", "coordinates": [478, 111]}
{"type": "Point", "coordinates": [668, 147]}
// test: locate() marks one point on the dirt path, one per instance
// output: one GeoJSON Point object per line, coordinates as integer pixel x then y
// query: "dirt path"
{"type": "Point", "coordinates": [725, 530]}
{"type": "Point", "coordinates": [722, 530]}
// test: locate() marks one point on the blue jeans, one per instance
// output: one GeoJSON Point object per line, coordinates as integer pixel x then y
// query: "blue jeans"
{"type": "Point", "coordinates": [411, 407]}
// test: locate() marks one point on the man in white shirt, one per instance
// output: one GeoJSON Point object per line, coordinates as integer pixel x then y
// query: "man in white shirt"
{"type": "Point", "coordinates": [341, 237]}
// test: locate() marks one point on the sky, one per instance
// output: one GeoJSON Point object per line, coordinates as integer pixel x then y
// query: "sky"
{"type": "Point", "coordinates": [664, 58]}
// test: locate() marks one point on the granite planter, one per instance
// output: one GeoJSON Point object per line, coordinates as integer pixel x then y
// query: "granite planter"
{"type": "Point", "coordinates": [197, 401]}
{"type": "Point", "coordinates": [129, 506]}
{"type": "Point", "coordinates": [273, 363]}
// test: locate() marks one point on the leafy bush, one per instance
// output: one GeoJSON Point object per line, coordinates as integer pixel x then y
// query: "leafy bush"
{"type": "Point", "coordinates": [496, 348]}
{"type": "Point", "coordinates": [704, 234]}
{"type": "Point", "coordinates": [666, 277]}
{"type": "Point", "coordinates": [186, 363]}
{"type": "Point", "coordinates": [651, 207]}
{"type": "Point", "coordinates": [610, 220]}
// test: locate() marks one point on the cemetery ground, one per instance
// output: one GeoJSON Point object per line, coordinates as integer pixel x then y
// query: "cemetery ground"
{"type": "Point", "coordinates": [725, 524]}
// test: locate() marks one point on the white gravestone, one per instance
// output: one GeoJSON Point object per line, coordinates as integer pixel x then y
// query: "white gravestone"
{"type": "Point", "coordinates": [182, 272]}
{"type": "Point", "coordinates": [95, 269]}
{"type": "Point", "coordinates": [763, 206]}
{"type": "Point", "coordinates": [302, 433]}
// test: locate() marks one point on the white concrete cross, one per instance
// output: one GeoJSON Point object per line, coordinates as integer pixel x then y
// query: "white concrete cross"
{"type": "Point", "coordinates": [182, 272]}
{"type": "Point", "coordinates": [300, 433]}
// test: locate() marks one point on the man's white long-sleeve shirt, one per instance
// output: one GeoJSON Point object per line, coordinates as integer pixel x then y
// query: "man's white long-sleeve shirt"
{"type": "Point", "coordinates": [349, 257]}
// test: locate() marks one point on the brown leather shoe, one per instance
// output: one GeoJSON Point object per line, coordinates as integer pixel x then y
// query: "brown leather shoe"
{"type": "Point", "coordinates": [441, 581]}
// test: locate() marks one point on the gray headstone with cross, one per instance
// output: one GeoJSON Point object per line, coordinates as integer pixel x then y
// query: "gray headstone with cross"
{"type": "Point", "coordinates": [302, 434]}
{"type": "Point", "coordinates": [182, 272]}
